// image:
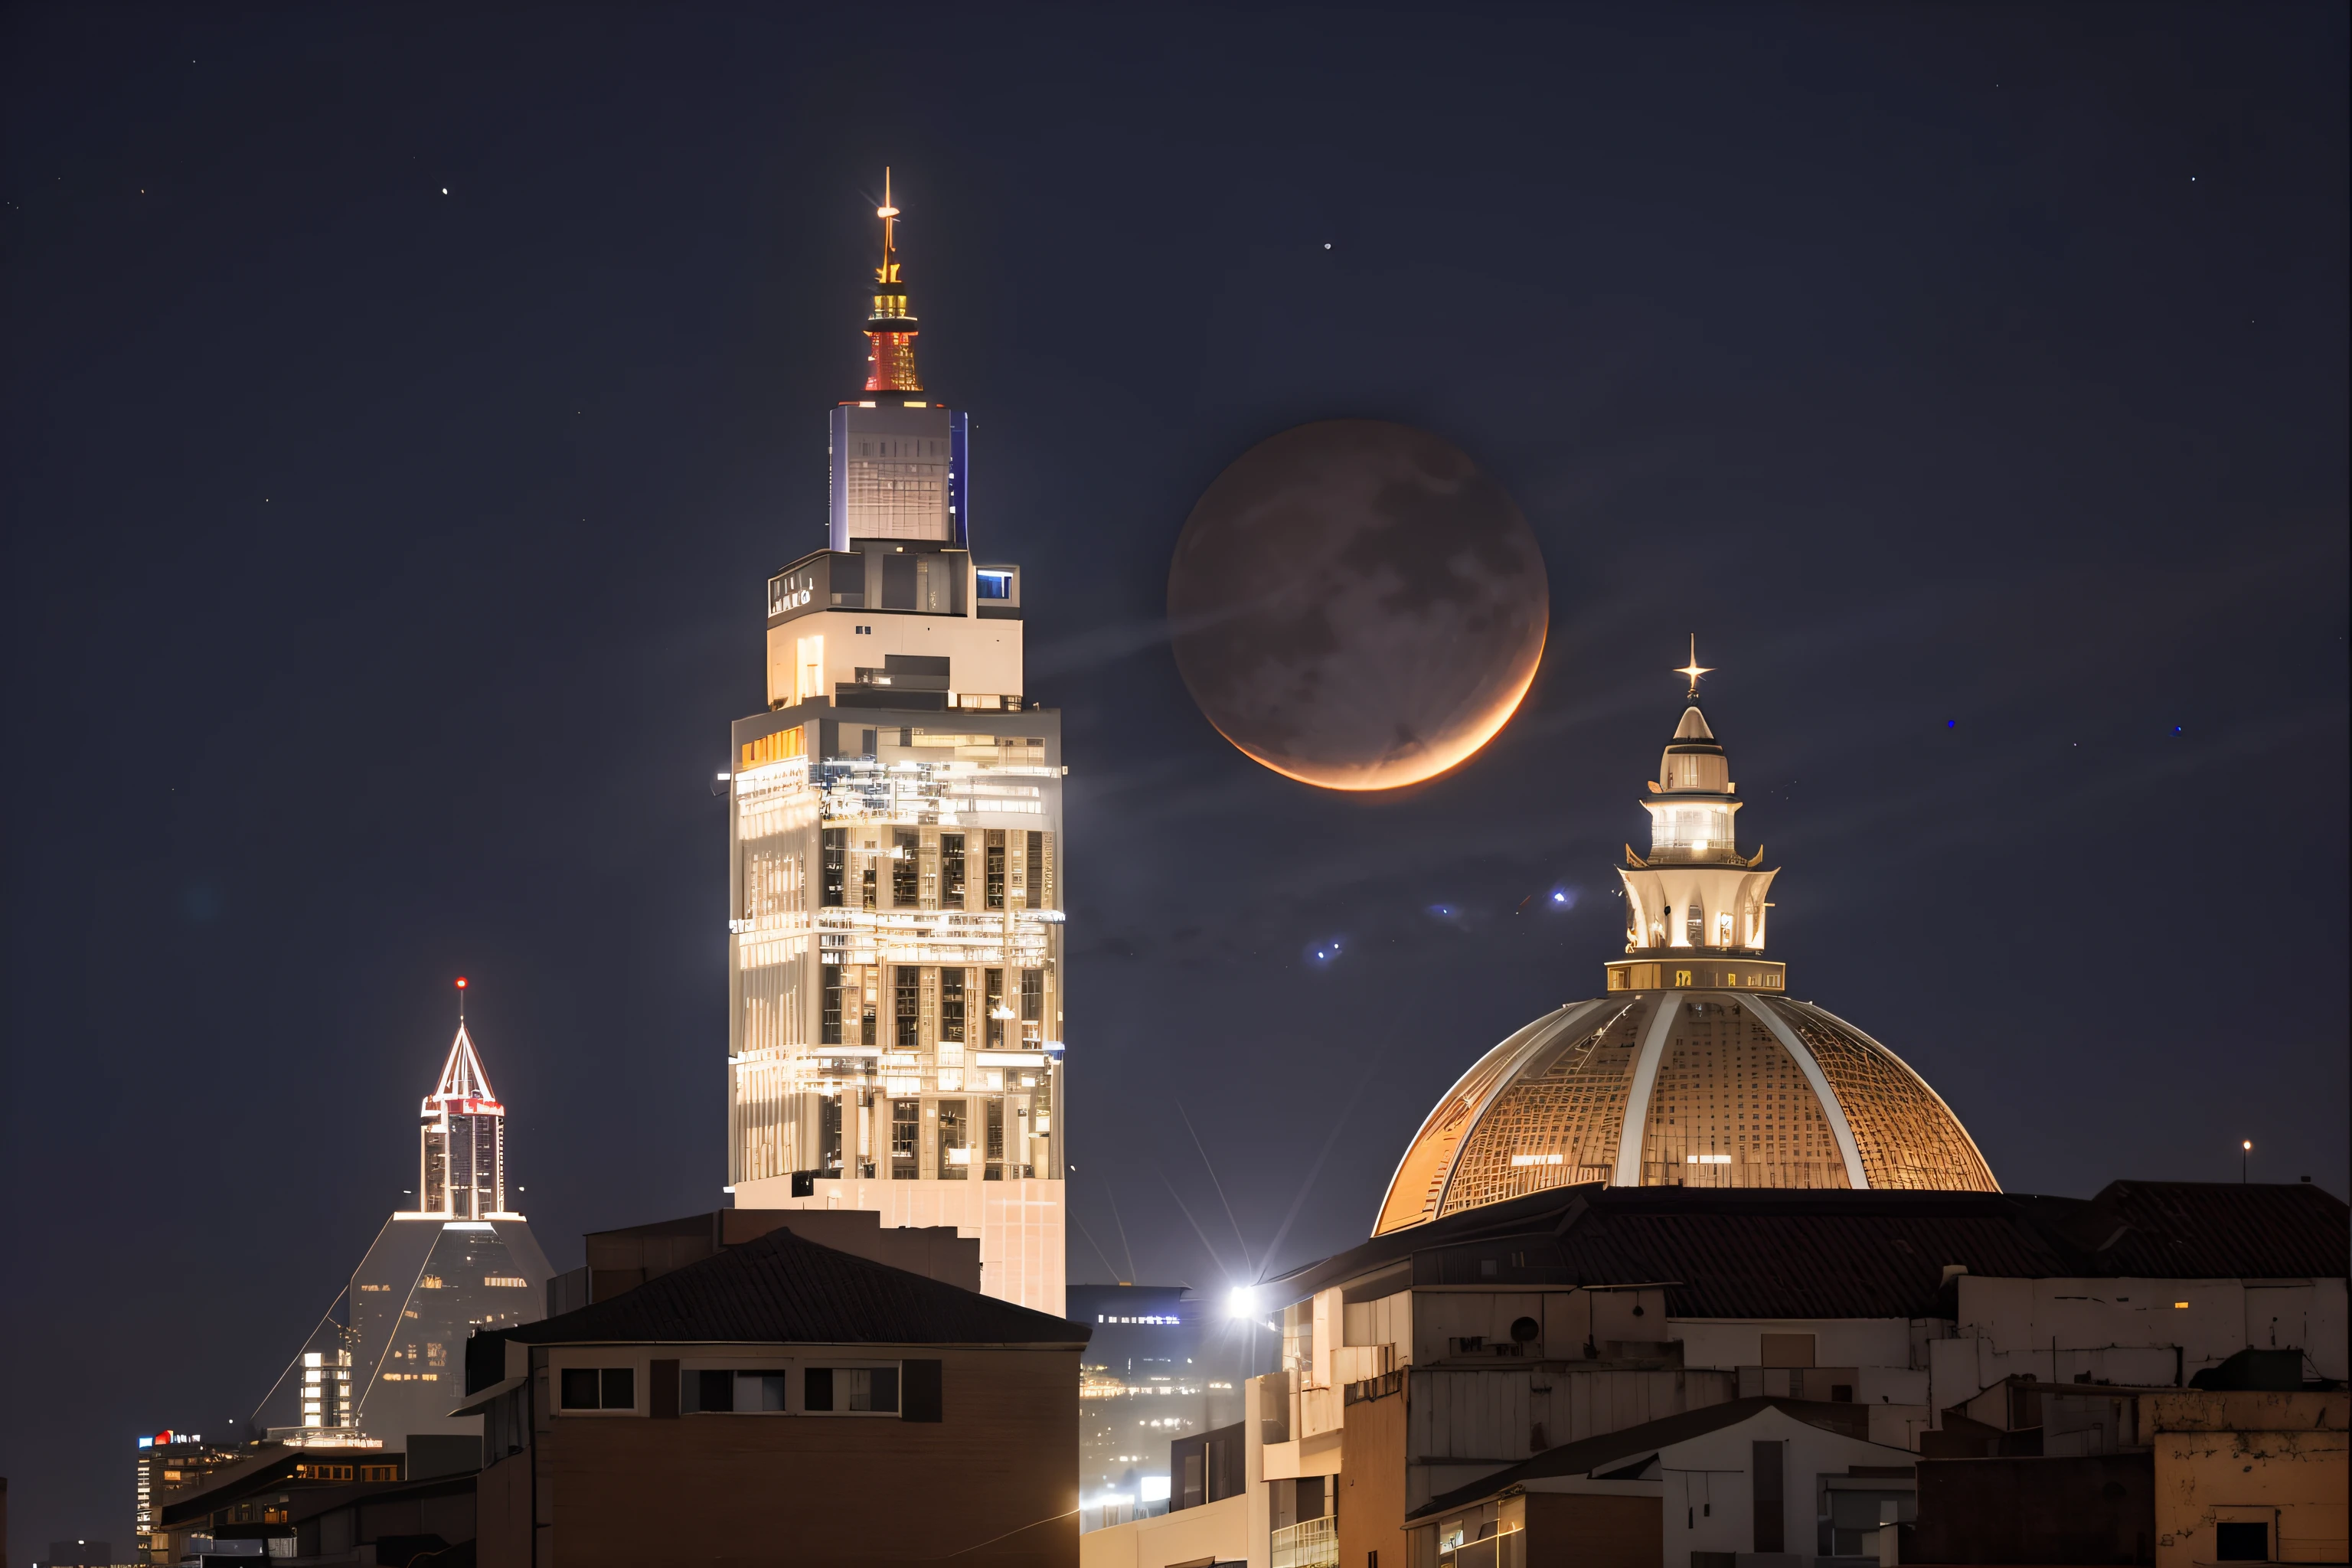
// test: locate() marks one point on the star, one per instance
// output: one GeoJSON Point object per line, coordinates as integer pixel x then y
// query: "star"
{"type": "Point", "coordinates": [1694, 669]}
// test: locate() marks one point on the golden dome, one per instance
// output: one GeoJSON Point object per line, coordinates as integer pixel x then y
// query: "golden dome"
{"type": "Point", "coordinates": [1729, 1089]}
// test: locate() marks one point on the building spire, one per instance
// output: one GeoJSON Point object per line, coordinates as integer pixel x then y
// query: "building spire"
{"type": "Point", "coordinates": [462, 1152]}
{"type": "Point", "coordinates": [1694, 669]}
{"type": "Point", "coordinates": [890, 328]}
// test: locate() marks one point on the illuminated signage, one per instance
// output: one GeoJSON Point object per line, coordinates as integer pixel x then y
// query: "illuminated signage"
{"type": "Point", "coordinates": [791, 591]}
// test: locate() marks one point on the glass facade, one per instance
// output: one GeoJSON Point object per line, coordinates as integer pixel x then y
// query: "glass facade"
{"type": "Point", "coordinates": [169, 1463]}
{"type": "Point", "coordinates": [899, 487]}
{"type": "Point", "coordinates": [891, 987]}
{"type": "Point", "coordinates": [389, 1358]}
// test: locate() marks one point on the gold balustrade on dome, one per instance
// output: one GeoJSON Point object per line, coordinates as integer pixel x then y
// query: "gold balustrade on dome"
{"type": "Point", "coordinates": [1699, 969]}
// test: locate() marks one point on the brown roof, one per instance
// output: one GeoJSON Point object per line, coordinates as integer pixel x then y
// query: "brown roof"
{"type": "Point", "coordinates": [1839, 1254]}
{"type": "Point", "coordinates": [1589, 1454]}
{"type": "Point", "coordinates": [782, 1289]}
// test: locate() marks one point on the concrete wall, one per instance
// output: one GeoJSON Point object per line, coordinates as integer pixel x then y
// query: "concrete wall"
{"type": "Point", "coordinates": [2208, 1319]}
{"type": "Point", "coordinates": [1492, 1415]}
{"type": "Point", "coordinates": [1219, 1531]}
{"type": "Point", "coordinates": [2093, 1508]}
{"type": "Point", "coordinates": [1566, 1531]}
{"type": "Point", "coordinates": [1371, 1490]}
{"type": "Point", "coordinates": [1706, 1483]}
{"type": "Point", "coordinates": [1837, 1341]}
{"type": "Point", "coordinates": [2277, 1459]}
{"type": "Point", "coordinates": [502, 1512]}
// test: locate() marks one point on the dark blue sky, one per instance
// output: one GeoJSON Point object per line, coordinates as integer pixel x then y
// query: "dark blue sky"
{"type": "Point", "coordinates": [385, 566]}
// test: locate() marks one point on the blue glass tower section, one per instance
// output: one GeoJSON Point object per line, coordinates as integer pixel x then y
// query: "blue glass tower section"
{"type": "Point", "coordinates": [960, 477]}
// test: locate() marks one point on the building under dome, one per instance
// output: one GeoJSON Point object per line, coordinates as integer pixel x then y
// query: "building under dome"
{"type": "Point", "coordinates": [1729, 1082]}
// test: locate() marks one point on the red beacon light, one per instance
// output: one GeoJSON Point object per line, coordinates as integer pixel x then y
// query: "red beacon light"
{"type": "Point", "coordinates": [461, 983]}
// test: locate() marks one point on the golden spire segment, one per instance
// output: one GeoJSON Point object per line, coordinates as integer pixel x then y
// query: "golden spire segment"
{"type": "Point", "coordinates": [1694, 669]}
{"type": "Point", "coordinates": [888, 271]}
{"type": "Point", "coordinates": [891, 329]}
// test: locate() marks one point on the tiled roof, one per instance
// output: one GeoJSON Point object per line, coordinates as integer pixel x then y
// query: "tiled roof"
{"type": "Point", "coordinates": [2199, 1229]}
{"type": "Point", "coordinates": [782, 1289]}
{"type": "Point", "coordinates": [1588, 1455]}
{"type": "Point", "coordinates": [1816, 1253]}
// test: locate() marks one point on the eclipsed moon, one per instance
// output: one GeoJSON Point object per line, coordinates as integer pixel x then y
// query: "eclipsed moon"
{"type": "Point", "coordinates": [1357, 605]}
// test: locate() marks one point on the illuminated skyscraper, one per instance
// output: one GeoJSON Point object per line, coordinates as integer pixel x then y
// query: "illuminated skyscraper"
{"type": "Point", "coordinates": [895, 834]}
{"type": "Point", "coordinates": [171, 1462]}
{"type": "Point", "coordinates": [388, 1359]}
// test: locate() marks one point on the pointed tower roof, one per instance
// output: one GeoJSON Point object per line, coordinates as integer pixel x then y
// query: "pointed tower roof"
{"type": "Point", "coordinates": [462, 1076]}
{"type": "Point", "coordinates": [1692, 727]}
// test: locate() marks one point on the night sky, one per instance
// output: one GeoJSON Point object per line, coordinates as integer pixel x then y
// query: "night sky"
{"type": "Point", "coordinates": [404, 412]}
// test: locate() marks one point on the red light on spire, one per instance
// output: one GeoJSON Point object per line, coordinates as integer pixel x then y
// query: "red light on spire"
{"type": "Point", "coordinates": [461, 983]}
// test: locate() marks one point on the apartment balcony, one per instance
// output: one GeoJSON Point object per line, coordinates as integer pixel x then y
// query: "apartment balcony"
{"type": "Point", "coordinates": [1309, 1543]}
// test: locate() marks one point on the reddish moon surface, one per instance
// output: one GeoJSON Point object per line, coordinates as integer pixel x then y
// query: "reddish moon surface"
{"type": "Point", "coordinates": [1357, 605]}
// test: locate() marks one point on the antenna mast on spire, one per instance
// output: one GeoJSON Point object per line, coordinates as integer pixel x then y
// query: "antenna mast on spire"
{"type": "Point", "coordinates": [889, 214]}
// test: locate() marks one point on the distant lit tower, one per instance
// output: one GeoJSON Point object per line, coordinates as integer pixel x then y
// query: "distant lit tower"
{"type": "Point", "coordinates": [894, 833]}
{"type": "Point", "coordinates": [462, 1142]}
{"type": "Point", "coordinates": [388, 1358]}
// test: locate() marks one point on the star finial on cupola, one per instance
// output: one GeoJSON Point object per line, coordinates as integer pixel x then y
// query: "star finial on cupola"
{"type": "Point", "coordinates": [1694, 669]}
